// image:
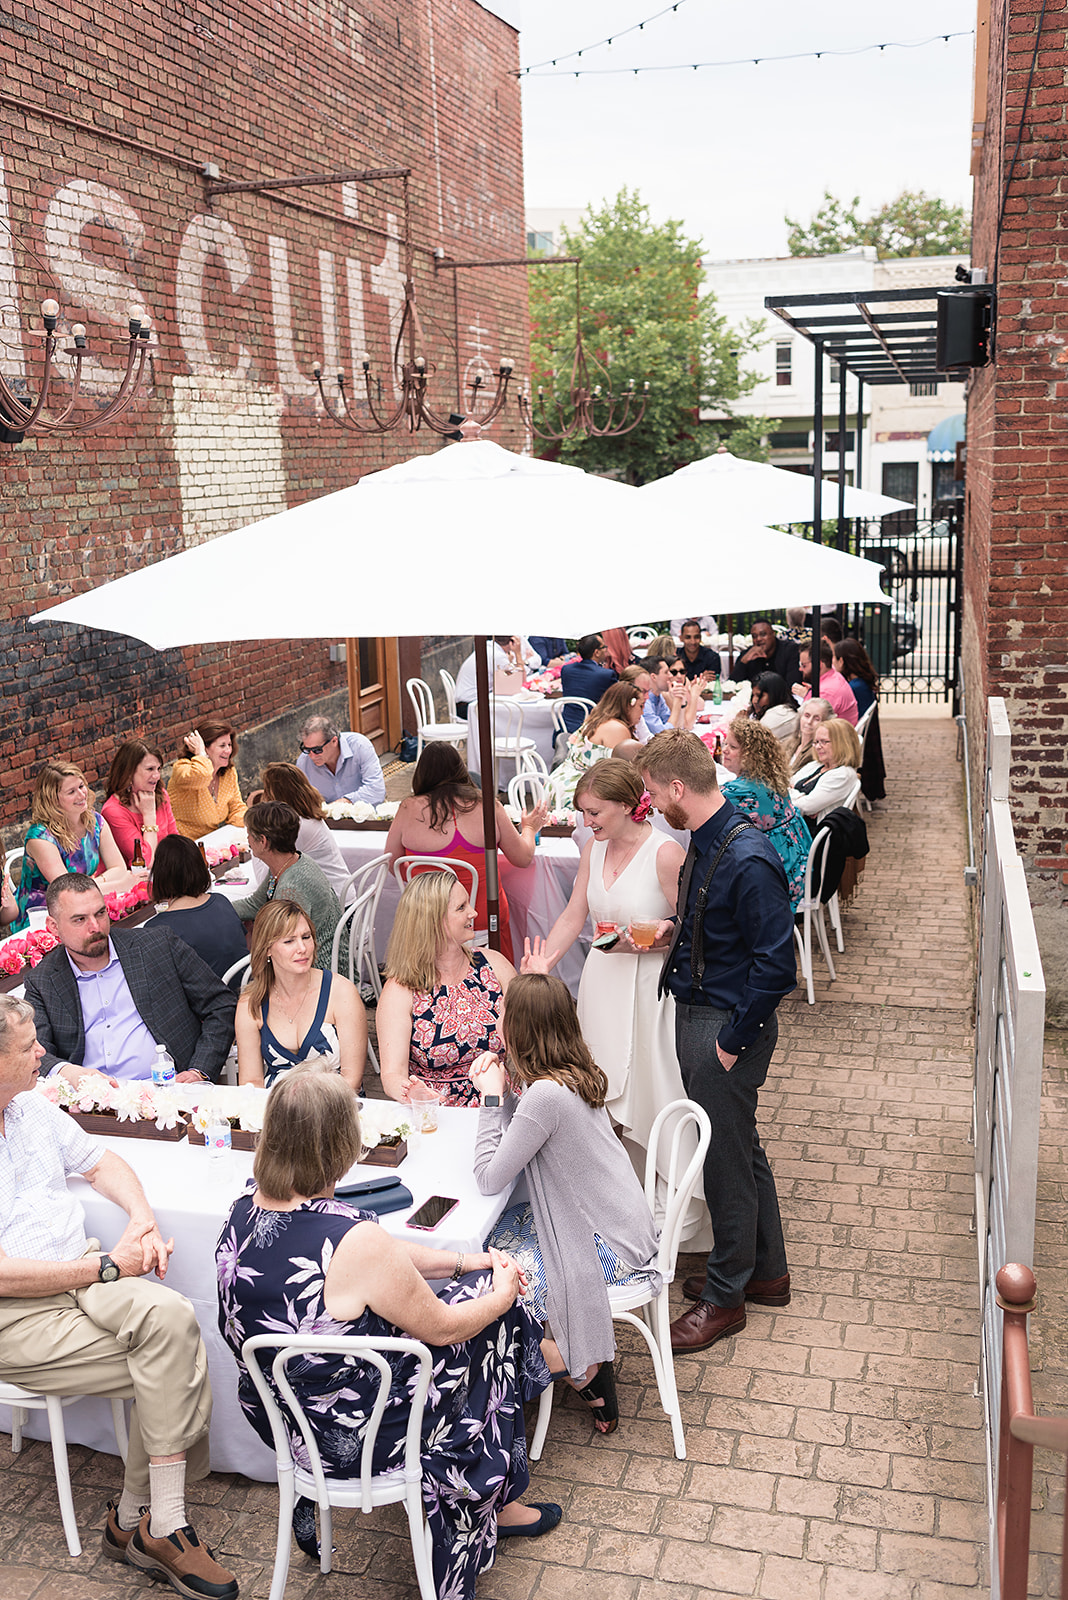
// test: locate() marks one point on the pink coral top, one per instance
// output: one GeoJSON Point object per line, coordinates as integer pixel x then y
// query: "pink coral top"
{"type": "Point", "coordinates": [127, 825]}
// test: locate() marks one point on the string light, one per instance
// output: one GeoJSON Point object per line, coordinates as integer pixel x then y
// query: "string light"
{"type": "Point", "coordinates": [745, 61]}
{"type": "Point", "coordinates": [635, 27]}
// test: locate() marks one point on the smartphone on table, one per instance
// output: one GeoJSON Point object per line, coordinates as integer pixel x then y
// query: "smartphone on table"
{"type": "Point", "coordinates": [431, 1213]}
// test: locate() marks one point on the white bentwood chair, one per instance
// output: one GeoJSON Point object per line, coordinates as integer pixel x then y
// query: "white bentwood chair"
{"type": "Point", "coordinates": [811, 911]}
{"type": "Point", "coordinates": [22, 1402]}
{"type": "Point", "coordinates": [464, 870]}
{"type": "Point", "coordinates": [525, 790]}
{"type": "Point", "coordinates": [560, 726]}
{"type": "Point", "coordinates": [640, 637]}
{"type": "Point", "coordinates": [359, 918]}
{"type": "Point", "coordinates": [366, 1489]}
{"type": "Point", "coordinates": [862, 734]}
{"type": "Point", "coordinates": [427, 729]}
{"type": "Point", "coordinates": [680, 1136]}
{"type": "Point", "coordinates": [448, 683]}
{"type": "Point", "coordinates": [244, 966]}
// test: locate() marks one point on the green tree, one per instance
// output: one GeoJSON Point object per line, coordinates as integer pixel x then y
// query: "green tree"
{"type": "Point", "coordinates": [643, 317]}
{"type": "Point", "coordinates": [915, 224]}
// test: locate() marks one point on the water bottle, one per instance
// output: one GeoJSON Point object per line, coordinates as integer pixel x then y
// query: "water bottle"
{"type": "Point", "coordinates": [163, 1069]}
{"type": "Point", "coordinates": [217, 1138]}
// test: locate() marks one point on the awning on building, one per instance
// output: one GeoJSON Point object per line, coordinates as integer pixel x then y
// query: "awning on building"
{"type": "Point", "coordinates": [944, 437]}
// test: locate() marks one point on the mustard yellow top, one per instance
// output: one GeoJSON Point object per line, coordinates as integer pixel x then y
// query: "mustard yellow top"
{"type": "Point", "coordinates": [195, 812]}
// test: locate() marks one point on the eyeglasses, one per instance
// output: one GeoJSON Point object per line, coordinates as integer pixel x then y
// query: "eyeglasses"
{"type": "Point", "coordinates": [314, 749]}
{"type": "Point", "coordinates": [677, 672]}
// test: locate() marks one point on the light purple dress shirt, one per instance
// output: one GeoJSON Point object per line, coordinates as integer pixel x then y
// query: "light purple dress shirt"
{"type": "Point", "coordinates": [117, 1041]}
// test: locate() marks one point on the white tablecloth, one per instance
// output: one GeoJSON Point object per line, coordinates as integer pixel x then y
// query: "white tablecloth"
{"type": "Point", "coordinates": [536, 894]}
{"type": "Point", "coordinates": [537, 725]}
{"type": "Point", "coordinates": [191, 1195]}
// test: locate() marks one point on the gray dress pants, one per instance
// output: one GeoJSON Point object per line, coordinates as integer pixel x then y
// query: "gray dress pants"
{"type": "Point", "coordinates": [739, 1186]}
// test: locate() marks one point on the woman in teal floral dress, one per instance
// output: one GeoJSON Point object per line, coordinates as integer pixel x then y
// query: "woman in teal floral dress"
{"type": "Point", "coordinates": [292, 1262]}
{"type": "Point", "coordinates": [761, 791]}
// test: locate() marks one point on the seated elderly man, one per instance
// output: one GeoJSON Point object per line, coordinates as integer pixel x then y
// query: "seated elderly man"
{"type": "Point", "coordinates": [108, 996]}
{"type": "Point", "coordinates": [78, 1320]}
{"type": "Point", "coordinates": [342, 766]}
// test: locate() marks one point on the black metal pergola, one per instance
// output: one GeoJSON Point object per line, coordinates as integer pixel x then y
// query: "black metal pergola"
{"type": "Point", "coordinates": [880, 336]}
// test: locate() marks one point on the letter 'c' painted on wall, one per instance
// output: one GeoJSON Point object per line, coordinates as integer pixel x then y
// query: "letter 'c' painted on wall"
{"type": "Point", "coordinates": [205, 237]}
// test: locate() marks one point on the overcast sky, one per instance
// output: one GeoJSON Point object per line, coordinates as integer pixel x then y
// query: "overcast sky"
{"type": "Point", "coordinates": [730, 150]}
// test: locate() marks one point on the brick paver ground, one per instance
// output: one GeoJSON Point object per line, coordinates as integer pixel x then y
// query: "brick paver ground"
{"type": "Point", "coordinates": [835, 1448]}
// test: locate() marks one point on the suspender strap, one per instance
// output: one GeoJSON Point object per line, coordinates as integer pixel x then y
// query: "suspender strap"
{"type": "Point", "coordinates": [697, 942]}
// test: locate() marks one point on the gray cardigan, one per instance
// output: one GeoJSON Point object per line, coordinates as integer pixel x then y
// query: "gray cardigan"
{"type": "Point", "coordinates": [580, 1180]}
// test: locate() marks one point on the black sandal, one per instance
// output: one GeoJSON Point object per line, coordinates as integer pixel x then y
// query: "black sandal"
{"type": "Point", "coordinates": [602, 1386]}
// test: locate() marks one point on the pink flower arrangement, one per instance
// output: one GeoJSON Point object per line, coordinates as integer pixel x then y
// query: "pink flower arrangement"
{"type": "Point", "coordinates": [27, 952]}
{"type": "Point", "coordinates": [216, 854]}
{"type": "Point", "coordinates": [120, 905]}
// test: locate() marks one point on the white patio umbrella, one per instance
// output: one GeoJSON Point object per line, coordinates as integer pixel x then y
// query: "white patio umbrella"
{"type": "Point", "coordinates": [723, 485]}
{"type": "Point", "coordinates": [473, 539]}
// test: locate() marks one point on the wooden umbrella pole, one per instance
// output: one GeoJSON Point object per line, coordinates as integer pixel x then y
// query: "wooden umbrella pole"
{"type": "Point", "coordinates": [489, 791]}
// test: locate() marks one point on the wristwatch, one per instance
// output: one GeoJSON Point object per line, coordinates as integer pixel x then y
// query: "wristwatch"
{"type": "Point", "coordinates": [491, 1100]}
{"type": "Point", "coordinates": [109, 1272]}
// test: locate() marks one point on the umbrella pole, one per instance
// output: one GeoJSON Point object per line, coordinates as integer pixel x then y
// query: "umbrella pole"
{"type": "Point", "coordinates": [817, 509]}
{"type": "Point", "coordinates": [730, 645]}
{"type": "Point", "coordinates": [489, 792]}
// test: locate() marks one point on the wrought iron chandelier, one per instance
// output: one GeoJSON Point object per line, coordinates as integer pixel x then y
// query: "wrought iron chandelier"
{"type": "Point", "coordinates": [411, 374]}
{"type": "Point", "coordinates": [591, 407]}
{"type": "Point", "coordinates": [19, 416]}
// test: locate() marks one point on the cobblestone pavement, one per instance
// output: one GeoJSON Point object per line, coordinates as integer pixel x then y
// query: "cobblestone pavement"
{"type": "Point", "coordinates": [835, 1448]}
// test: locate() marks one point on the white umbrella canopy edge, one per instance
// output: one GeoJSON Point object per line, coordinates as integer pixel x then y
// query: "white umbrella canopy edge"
{"type": "Point", "coordinates": [766, 493]}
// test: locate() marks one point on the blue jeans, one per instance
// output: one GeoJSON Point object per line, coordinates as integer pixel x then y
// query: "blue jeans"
{"type": "Point", "coordinates": [739, 1186]}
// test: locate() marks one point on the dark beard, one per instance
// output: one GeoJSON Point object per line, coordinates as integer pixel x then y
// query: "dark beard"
{"type": "Point", "coordinates": [675, 817]}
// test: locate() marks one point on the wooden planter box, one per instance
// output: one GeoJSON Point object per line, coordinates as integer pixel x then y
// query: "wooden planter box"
{"type": "Point", "coordinates": [240, 1138]}
{"type": "Point", "coordinates": [107, 1125]}
{"type": "Point", "coordinates": [347, 825]}
{"type": "Point", "coordinates": [385, 1155]}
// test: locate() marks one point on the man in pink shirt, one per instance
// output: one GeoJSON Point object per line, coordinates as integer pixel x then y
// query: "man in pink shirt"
{"type": "Point", "coordinates": [833, 687]}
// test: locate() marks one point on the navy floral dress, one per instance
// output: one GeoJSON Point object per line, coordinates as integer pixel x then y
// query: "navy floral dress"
{"type": "Point", "coordinates": [451, 1025]}
{"type": "Point", "coordinates": [272, 1267]}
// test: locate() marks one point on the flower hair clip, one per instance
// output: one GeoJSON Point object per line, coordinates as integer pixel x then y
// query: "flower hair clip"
{"type": "Point", "coordinates": [644, 806]}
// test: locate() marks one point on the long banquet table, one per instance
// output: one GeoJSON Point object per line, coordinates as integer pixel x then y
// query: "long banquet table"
{"type": "Point", "coordinates": [537, 725]}
{"type": "Point", "coordinates": [191, 1194]}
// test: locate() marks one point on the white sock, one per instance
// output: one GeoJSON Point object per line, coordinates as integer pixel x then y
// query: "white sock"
{"type": "Point", "coordinates": [168, 1498]}
{"type": "Point", "coordinates": [128, 1511]}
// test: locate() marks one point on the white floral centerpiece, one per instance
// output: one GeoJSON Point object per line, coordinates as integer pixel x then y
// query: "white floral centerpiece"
{"type": "Point", "coordinates": [383, 1122]}
{"type": "Point", "coordinates": [360, 811]}
{"type": "Point", "coordinates": [241, 1105]}
{"type": "Point", "coordinates": [128, 1103]}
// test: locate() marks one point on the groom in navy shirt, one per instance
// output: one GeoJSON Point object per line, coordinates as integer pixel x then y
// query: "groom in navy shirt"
{"type": "Point", "coordinates": [588, 677]}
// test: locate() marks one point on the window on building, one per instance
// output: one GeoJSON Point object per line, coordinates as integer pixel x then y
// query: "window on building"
{"type": "Point", "coordinates": [901, 480]}
{"type": "Point", "coordinates": [541, 243]}
{"type": "Point", "coordinates": [834, 371]}
{"type": "Point", "coordinates": [944, 482]}
{"type": "Point", "coordinates": [798, 440]}
{"type": "Point", "coordinates": [784, 364]}
{"type": "Point", "coordinates": [831, 444]}
{"type": "Point", "coordinates": [917, 389]}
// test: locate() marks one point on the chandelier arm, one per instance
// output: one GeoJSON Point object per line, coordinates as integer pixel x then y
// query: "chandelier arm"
{"type": "Point", "coordinates": [120, 402]}
{"type": "Point", "coordinates": [343, 418]}
{"type": "Point", "coordinates": [385, 424]}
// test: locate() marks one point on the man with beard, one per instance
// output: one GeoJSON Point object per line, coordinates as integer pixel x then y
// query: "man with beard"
{"type": "Point", "coordinates": [107, 997]}
{"type": "Point", "coordinates": [730, 962]}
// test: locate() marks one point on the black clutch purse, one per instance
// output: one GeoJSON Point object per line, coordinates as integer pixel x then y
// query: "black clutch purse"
{"type": "Point", "coordinates": [380, 1195]}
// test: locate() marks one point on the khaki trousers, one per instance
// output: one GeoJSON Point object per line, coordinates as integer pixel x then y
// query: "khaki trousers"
{"type": "Point", "coordinates": [131, 1338]}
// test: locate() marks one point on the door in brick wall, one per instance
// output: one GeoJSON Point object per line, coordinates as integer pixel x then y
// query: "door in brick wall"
{"type": "Point", "coordinates": [374, 691]}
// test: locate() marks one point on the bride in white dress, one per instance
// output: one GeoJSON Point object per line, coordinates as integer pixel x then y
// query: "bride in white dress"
{"type": "Point", "coordinates": [628, 876]}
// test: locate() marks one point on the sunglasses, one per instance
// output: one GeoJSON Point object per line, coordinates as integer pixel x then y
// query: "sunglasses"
{"type": "Point", "coordinates": [314, 749]}
{"type": "Point", "coordinates": [677, 672]}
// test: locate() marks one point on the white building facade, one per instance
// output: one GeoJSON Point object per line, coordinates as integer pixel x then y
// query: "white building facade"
{"type": "Point", "coordinates": [897, 419]}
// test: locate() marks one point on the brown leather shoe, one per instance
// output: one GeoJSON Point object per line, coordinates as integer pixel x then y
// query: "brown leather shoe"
{"type": "Point", "coordinates": [761, 1291]}
{"type": "Point", "coordinates": [114, 1540]}
{"type": "Point", "coordinates": [704, 1325]}
{"type": "Point", "coordinates": [180, 1558]}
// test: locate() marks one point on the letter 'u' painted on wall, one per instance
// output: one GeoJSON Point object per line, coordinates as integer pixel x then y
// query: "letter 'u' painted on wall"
{"type": "Point", "coordinates": [91, 285]}
{"type": "Point", "coordinates": [206, 237]}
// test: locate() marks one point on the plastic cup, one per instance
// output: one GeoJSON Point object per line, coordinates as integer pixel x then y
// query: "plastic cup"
{"type": "Point", "coordinates": [643, 934]}
{"type": "Point", "coordinates": [424, 1102]}
{"type": "Point", "coordinates": [606, 927]}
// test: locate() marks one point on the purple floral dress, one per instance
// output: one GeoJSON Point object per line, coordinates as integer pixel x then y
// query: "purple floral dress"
{"type": "Point", "coordinates": [272, 1267]}
{"type": "Point", "coordinates": [451, 1025]}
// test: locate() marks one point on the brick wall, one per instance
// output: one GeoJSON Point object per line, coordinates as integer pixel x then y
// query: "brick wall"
{"type": "Point", "coordinates": [246, 293]}
{"type": "Point", "coordinates": [1016, 572]}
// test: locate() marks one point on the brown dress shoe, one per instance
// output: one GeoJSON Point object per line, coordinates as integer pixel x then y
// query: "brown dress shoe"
{"type": "Point", "coordinates": [704, 1325]}
{"type": "Point", "coordinates": [182, 1561]}
{"type": "Point", "coordinates": [761, 1291]}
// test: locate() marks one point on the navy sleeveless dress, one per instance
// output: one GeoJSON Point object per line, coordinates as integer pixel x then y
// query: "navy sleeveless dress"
{"type": "Point", "coordinates": [320, 1039]}
{"type": "Point", "coordinates": [272, 1268]}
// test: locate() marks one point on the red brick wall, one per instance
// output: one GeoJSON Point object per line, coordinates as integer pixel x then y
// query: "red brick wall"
{"type": "Point", "coordinates": [1016, 571]}
{"type": "Point", "coordinates": [243, 294]}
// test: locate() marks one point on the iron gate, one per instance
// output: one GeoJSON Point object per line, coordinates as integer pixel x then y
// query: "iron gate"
{"type": "Point", "coordinates": [914, 640]}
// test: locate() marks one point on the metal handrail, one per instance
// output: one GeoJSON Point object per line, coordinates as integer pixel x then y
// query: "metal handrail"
{"type": "Point", "coordinates": [1021, 1430]}
{"type": "Point", "coordinates": [971, 876]}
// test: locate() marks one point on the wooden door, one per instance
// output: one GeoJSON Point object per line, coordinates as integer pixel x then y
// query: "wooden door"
{"type": "Point", "coordinates": [374, 691]}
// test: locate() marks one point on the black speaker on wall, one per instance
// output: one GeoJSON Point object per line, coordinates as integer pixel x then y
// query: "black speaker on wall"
{"type": "Point", "coordinates": [964, 327]}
